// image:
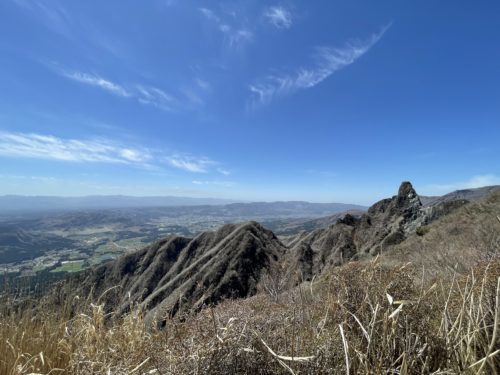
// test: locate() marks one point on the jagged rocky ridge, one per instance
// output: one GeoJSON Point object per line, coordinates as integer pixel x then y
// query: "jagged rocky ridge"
{"type": "Point", "coordinates": [178, 274]}
{"type": "Point", "coordinates": [385, 224]}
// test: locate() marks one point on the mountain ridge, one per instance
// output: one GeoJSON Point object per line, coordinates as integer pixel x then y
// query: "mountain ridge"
{"type": "Point", "coordinates": [471, 194]}
{"type": "Point", "coordinates": [178, 274]}
{"type": "Point", "coordinates": [177, 271]}
{"type": "Point", "coordinates": [19, 204]}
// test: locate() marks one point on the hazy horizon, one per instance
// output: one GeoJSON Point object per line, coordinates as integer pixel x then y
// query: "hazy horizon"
{"type": "Point", "coordinates": [206, 200]}
{"type": "Point", "coordinates": [255, 101]}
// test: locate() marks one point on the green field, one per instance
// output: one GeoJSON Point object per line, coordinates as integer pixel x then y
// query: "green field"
{"type": "Point", "coordinates": [75, 266]}
{"type": "Point", "coordinates": [113, 249]}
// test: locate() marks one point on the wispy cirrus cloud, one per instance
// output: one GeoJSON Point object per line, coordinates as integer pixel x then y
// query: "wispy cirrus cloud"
{"type": "Point", "coordinates": [38, 146]}
{"type": "Point", "coordinates": [223, 171]}
{"type": "Point", "coordinates": [213, 182]}
{"type": "Point", "coordinates": [328, 60]}
{"type": "Point", "coordinates": [279, 16]}
{"type": "Point", "coordinates": [74, 26]}
{"type": "Point", "coordinates": [202, 84]}
{"type": "Point", "coordinates": [191, 163]}
{"type": "Point", "coordinates": [53, 16]}
{"type": "Point", "coordinates": [97, 81]}
{"type": "Point", "coordinates": [186, 99]}
{"type": "Point", "coordinates": [210, 14]}
{"type": "Point", "coordinates": [157, 98]}
{"type": "Point", "coordinates": [235, 35]}
{"type": "Point", "coordinates": [49, 147]}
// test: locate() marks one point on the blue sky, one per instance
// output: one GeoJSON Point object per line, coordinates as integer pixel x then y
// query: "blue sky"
{"type": "Point", "coordinates": [255, 100]}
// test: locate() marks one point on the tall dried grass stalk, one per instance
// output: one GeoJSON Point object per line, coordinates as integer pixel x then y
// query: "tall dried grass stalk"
{"type": "Point", "coordinates": [358, 319]}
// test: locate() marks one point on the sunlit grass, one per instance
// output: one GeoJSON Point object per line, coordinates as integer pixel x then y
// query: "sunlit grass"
{"type": "Point", "coordinates": [361, 318]}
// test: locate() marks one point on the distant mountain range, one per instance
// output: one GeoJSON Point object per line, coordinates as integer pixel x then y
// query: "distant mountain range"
{"type": "Point", "coordinates": [468, 194]}
{"type": "Point", "coordinates": [24, 204]}
{"type": "Point", "coordinates": [19, 203]}
{"type": "Point", "coordinates": [224, 207]}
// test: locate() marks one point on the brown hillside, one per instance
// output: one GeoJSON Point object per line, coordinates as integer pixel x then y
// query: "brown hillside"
{"type": "Point", "coordinates": [180, 273]}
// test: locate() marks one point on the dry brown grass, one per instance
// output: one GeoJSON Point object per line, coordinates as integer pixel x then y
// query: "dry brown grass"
{"type": "Point", "coordinates": [359, 319]}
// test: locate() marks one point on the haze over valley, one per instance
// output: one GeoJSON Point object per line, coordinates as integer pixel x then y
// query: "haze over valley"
{"type": "Point", "coordinates": [40, 236]}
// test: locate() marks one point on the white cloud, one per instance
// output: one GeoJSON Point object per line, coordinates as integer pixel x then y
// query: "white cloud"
{"type": "Point", "coordinates": [156, 97]}
{"type": "Point", "coordinates": [190, 163]}
{"type": "Point", "coordinates": [134, 155]}
{"type": "Point", "coordinates": [238, 36]}
{"type": "Point", "coordinates": [97, 81]}
{"type": "Point", "coordinates": [328, 61]}
{"type": "Point", "coordinates": [210, 14]}
{"type": "Point", "coordinates": [214, 182]}
{"type": "Point", "coordinates": [187, 98]}
{"type": "Point", "coordinates": [279, 17]}
{"type": "Point", "coordinates": [202, 84]}
{"type": "Point", "coordinates": [53, 16]}
{"type": "Point", "coordinates": [48, 147]}
{"type": "Point", "coordinates": [224, 28]}
{"type": "Point", "coordinates": [482, 180]}
{"type": "Point", "coordinates": [234, 35]}
{"type": "Point", "coordinates": [472, 183]}
{"type": "Point", "coordinates": [37, 146]}
{"type": "Point", "coordinates": [225, 172]}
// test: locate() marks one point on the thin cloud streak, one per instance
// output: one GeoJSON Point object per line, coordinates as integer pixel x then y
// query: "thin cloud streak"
{"type": "Point", "coordinates": [210, 14]}
{"type": "Point", "coordinates": [37, 146]}
{"type": "Point", "coordinates": [144, 94]}
{"type": "Point", "coordinates": [223, 171]}
{"type": "Point", "coordinates": [214, 182]}
{"type": "Point", "coordinates": [97, 81]}
{"type": "Point", "coordinates": [190, 163]}
{"type": "Point", "coordinates": [53, 17]}
{"type": "Point", "coordinates": [157, 98]}
{"type": "Point", "coordinates": [235, 36]}
{"type": "Point", "coordinates": [279, 17]}
{"type": "Point", "coordinates": [48, 147]}
{"type": "Point", "coordinates": [73, 26]}
{"type": "Point", "coordinates": [328, 61]}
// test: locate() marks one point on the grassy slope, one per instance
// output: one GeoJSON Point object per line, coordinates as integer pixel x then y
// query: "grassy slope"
{"type": "Point", "coordinates": [343, 323]}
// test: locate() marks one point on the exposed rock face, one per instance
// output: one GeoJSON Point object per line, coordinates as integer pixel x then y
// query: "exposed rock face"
{"type": "Point", "coordinates": [442, 208]}
{"type": "Point", "coordinates": [180, 273]}
{"type": "Point", "coordinates": [386, 223]}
